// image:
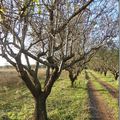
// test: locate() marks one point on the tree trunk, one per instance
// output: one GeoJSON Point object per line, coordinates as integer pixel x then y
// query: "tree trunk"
{"type": "Point", "coordinates": [116, 76]}
{"type": "Point", "coordinates": [47, 75]}
{"type": "Point", "coordinates": [72, 83]}
{"type": "Point", "coordinates": [86, 76]}
{"type": "Point", "coordinates": [73, 80]}
{"type": "Point", "coordinates": [40, 109]}
{"type": "Point", "coordinates": [105, 73]}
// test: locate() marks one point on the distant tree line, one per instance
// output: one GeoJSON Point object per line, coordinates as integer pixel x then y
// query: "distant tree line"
{"type": "Point", "coordinates": [107, 59]}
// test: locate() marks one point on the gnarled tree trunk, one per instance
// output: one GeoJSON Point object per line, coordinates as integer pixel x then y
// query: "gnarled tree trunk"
{"type": "Point", "coordinates": [39, 96]}
{"type": "Point", "coordinates": [40, 112]}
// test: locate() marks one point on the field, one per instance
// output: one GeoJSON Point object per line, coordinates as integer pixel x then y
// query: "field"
{"type": "Point", "coordinates": [91, 99]}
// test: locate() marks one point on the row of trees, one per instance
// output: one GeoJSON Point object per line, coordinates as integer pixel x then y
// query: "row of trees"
{"type": "Point", "coordinates": [59, 34]}
{"type": "Point", "coordinates": [106, 59]}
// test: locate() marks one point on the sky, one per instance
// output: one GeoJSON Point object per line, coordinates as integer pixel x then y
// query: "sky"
{"type": "Point", "coordinates": [3, 62]}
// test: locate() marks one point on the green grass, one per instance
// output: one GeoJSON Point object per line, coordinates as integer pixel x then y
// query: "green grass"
{"type": "Point", "coordinates": [109, 78]}
{"type": "Point", "coordinates": [64, 103]}
{"type": "Point", "coordinates": [110, 101]}
{"type": "Point", "coordinates": [14, 103]}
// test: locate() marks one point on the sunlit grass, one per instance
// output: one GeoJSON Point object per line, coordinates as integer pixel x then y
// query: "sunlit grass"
{"type": "Point", "coordinates": [64, 103]}
{"type": "Point", "coordinates": [109, 78]}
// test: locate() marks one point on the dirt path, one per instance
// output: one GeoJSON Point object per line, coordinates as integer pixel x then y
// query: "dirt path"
{"type": "Point", "coordinates": [113, 91]}
{"type": "Point", "coordinates": [98, 109]}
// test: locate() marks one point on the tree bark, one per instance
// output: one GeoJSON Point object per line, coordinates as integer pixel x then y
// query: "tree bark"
{"type": "Point", "coordinates": [105, 73]}
{"type": "Point", "coordinates": [72, 83]}
{"type": "Point", "coordinates": [116, 76]}
{"type": "Point", "coordinates": [40, 108]}
{"type": "Point", "coordinates": [50, 82]}
{"type": "Point", "coordinates": [72, 78]}
{"type": "Point", "coordinates": [86, 76]}
{"type": "Point", "coordinates": [47, 75]}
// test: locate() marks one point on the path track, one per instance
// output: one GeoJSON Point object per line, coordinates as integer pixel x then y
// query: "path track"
{"type": "Point", "coordinates": [99, 110]}
{"type": "Point", "coordinates": [113, 91]}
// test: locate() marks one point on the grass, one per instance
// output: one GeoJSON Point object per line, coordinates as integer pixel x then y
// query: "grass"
{"type": "Point", "coordinates": [110, 101]}
{"type": "Point", "coordinates": [14, 103]}
{"type": "Point", "coordinates": [64, 103]}
{"type": "Point", "coordinates": [109, 78]}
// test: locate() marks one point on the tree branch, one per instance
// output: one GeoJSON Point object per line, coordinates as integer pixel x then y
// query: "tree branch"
{"type": "Point", "coordinates": [72, 16]}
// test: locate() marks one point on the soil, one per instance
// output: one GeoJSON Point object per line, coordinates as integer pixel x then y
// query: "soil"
{"type": "Point", "coordinates": [98, 108]}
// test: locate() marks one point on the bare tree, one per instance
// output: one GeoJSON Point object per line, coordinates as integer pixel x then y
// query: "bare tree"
{"type": "Point", "coordinates": [99, 61]}
{"type": "Point", "coordinates": [82, 27]}
{"type": "Point", "coordinates": [48, 31]}
{"type": "Point", "coordinates": [78, 67]}
{"type": "Point", "coordinates": [112, 62]}
{"type": "Point", "coordinates": [106, 59]}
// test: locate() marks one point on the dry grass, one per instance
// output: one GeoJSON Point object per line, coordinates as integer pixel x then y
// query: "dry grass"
{"type": "Point", "coordinates": [41, 73]}
{"type": "Point", "coordinates": [9, 76]}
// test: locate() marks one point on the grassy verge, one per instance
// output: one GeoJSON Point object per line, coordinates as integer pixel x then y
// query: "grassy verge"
{"type": "Point", "coordinates": [109, 100]}
{"type": "Point", "coordinates": [64, 103]}
{"type": "Point", "coordinates": [109, 78]}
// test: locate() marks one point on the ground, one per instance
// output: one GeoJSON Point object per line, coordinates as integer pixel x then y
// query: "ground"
{"type": "Point", "coordinates": [92, 99]}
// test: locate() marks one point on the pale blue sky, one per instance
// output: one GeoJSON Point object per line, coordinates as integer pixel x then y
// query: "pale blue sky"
{"type": "Point", "coordinates": [3, 62]}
